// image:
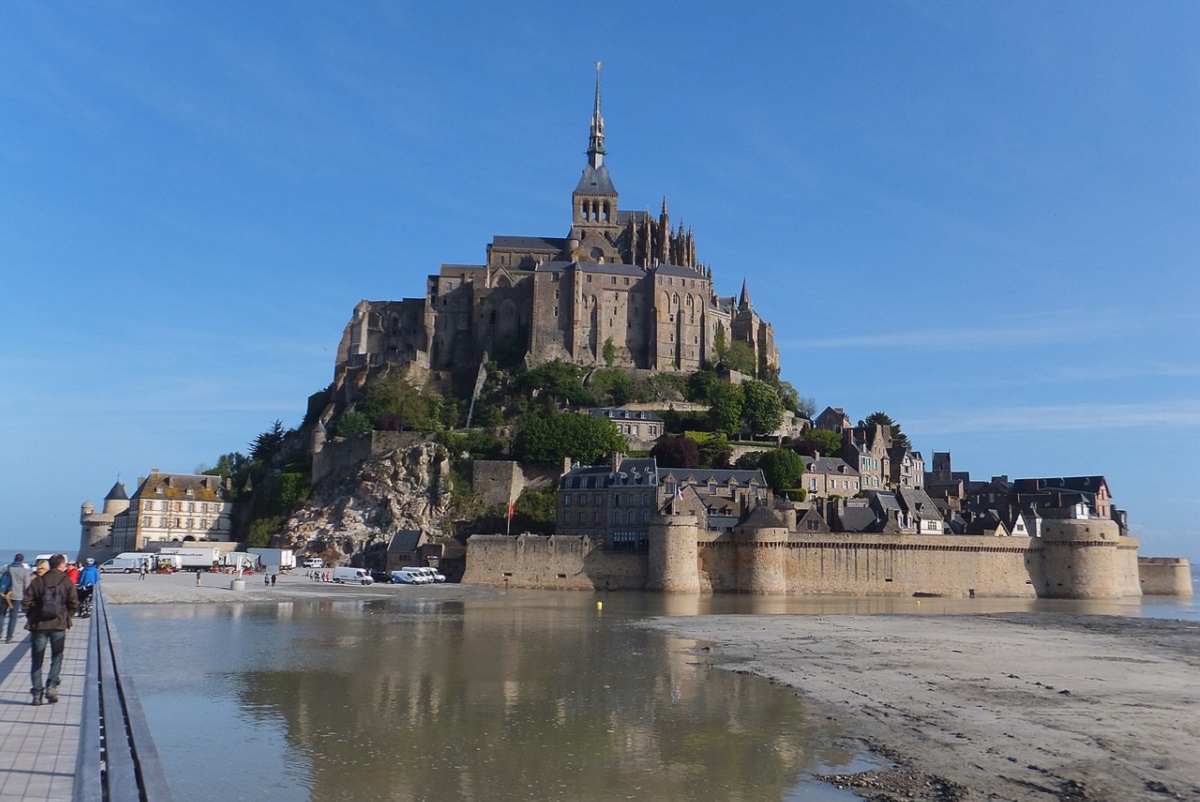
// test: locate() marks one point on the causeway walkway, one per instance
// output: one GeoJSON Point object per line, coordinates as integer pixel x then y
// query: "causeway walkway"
{"type": "Point", "coordinates": [39, 745]}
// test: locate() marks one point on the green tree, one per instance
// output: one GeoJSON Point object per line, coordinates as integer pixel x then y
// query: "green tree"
{"type": "Point", "coordinates": [762, 410]}
{"type": "Point", "coordinates": [558, 380]}
{"type": "Point", "coordinates": [700, 385]}
{"type": "Point", "coordinates": [740, 357]}
{"type": "Point", "coordinates": [267, 444]}
{"type": "Point", "coordinates": [229, 465]}
{"type": "Point", "coordinates": [819, 440]}
{"type": "Point", "coordinates": [725, 411]}
{"type": "Point", "coordinates": [783, 468]}
{"type": "Point", "coordinates": [583, 438]}
{"type": "Point", "coordinates": [612, 387]}
{"type": "Point", "coordinates": [609, 352]}
{"type": "Point", "coordinates": [715, 450]}
{"type": "Point", "coordinates": [394, 404]}
{"type": "Point", "coordinates": [352, 422]}
{"type": "Point", "coordinates": [720, 344]}
{"type": "Point", "coordinates": [899, 438]}
{"type": "Point", "coordinates": [535, 511]}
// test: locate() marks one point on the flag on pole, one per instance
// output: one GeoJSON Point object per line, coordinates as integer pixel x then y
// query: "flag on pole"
{"type": "Point", "coordinates": [510, 509]}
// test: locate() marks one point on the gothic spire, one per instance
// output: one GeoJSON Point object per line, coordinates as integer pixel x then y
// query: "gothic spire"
{"type": "Point", "coordinates": [744, 301]}
{"type": "Point", "coordinates": [595, 150]}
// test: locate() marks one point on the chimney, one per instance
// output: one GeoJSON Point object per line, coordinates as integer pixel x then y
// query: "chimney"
{"type": "Point", "coordinates": [617, 456]}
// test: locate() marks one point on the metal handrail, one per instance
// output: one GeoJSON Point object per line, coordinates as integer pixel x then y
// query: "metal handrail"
{"type": "Point", "coordinates": [117, 759]}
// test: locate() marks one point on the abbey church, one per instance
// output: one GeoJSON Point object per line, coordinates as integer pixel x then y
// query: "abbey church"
{"type": "Point", "coordinates": [621, 286]}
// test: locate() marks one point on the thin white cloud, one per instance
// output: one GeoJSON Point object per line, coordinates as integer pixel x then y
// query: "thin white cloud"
{"type": "Point", "coordinates": [1064, 417]}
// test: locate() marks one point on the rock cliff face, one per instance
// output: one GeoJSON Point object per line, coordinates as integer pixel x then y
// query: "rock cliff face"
{"type": "Point", "coordinates": [401, 489]}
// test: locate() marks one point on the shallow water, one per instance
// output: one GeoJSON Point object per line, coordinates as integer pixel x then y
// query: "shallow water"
{"type": "Point", "coordinates": [529, 696]}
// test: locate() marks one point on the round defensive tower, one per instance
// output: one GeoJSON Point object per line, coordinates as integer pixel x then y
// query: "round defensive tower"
{"type": "Point", "coordinates": [1080, 559]}
{"type": "Point", "coordinates": [96, 527]}
{"type": "Point", "coordinates": [1165, 576]}
{"type": "Point", "coordinates": [761, 543]}
{"type": "Point", "coordinates": [673, 561]}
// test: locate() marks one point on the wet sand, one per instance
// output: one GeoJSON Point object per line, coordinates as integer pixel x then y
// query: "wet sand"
{"type": "Point", "coordinates": [1021, 707]}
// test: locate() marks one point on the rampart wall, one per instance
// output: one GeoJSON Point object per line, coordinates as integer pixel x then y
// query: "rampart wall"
{"type": "Point", "coordinates": [564, 563]}
{"type": "Point", "coordinates": [1165, 576]}
{"type": "Point", "coordinates": [343, 454]}
{"type": "Point", "coordinates": [1075, 562]}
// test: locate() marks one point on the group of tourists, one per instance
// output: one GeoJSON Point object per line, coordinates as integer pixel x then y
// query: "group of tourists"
{"type": "Point", "coordinates": [320, 576]}
{"type": "Point", "coordinates": [50, 596]}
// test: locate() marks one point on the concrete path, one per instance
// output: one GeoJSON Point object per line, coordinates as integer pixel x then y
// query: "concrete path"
{"type": "Point", "coordinates": [38, 745]}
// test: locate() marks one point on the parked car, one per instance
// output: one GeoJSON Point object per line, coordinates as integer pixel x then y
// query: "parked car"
{"type": "Point", "coordinates": [426, 571]}
{"type": "Point", "coordinates": [407, 576]}
{"type": "Point", "coordinates": [381, 577]}
{"type": "Point", "coordinates": [314, 562]}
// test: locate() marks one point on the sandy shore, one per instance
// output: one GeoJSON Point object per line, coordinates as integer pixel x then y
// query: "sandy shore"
{"type": "Point", "coordinates": [1000, 707]}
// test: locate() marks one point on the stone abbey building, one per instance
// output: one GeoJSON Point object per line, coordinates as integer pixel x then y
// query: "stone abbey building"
{"type": "Point", "coordinates": [621, 283]}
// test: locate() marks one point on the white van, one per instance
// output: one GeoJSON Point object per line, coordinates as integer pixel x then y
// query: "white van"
{"type": "Point", "coordinates": [410, 576]}
{"type": "Point", "coordinates": [358, 576]}
{"type": "Point", "coordinates": [128, 562]}
{"type": "Point", "coordinates": [314, 562]}
{"type": "Point", "coordinates": [427, 572]}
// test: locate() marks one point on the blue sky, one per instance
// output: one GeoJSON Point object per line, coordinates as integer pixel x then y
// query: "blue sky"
{"type": "Point", "coordinates": [981, 218]}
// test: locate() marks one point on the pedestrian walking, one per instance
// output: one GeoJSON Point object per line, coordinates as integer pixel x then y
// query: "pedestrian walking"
{"type": "Point", "coordinates": [274, 577]}
{"type": "Point", "coordinates": [50, 603]}
{"type": "Point", "coordinates": [145, 569]}
{"type": "Point", "coordinates": [13, 583]}
{"type": "Point", "coordinates": [89, 576]}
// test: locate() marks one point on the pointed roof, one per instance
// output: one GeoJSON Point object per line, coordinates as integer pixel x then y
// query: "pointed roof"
{"type": "Point", "coordinates": [595, 149]}
{"type": "Point", "coordinates": [117, 493]}
{"type": "Point", "coordinates": [744, 298]}
{"type": "Point", "coordinates": [595, 179]}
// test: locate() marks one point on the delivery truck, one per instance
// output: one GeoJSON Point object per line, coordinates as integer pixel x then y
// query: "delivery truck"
{"type": "Point", "coordinates": [275, 560]}
{"type": "Point", "coordinates": [196, 558]}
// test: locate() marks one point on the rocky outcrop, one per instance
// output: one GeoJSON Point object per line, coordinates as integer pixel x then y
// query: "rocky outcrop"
{"type": "Point", "coordinates": [405, 488]}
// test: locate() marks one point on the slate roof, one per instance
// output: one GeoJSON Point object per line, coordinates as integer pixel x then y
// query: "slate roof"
{"type": "Point", "coordinates": [117, 493]}
{"type": "Point", "coordinates": [1079, 484]}
{"type": "Point", "coordinates": [761, 517]}
{"type": "Point", "coordinates": [828, 466]}
{"type": "Point", "coordinates": [633, 471]}
{"type": "Point", "coordinates": [616, 413]}
{"type": "Point", "coordinates": [859, 519]}
{"type": "Point", "coordinates": [595, 181]}
{"type": "Point", "coordinates": [555, 244]}
{"type": "Point", "coordinates": [702, 476]}
{"type": "Point", "coordinates": [177, 485]}
{"type": "Point", "coordinates": [918, 503]}
{"type": "Point", "coordinates": [405, 541]}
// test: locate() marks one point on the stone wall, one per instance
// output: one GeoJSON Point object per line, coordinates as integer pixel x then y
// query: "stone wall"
{"type": "Point", "coordinates": [1074, 563]}
{"type": "Point", "coordinates": [346, 453]}
{"type": "Point", "coordinates": [1165, 576]}
{"type": "Point", "coordinates": [499, 481]}
{"type": "Point", "coordinates": [562, 563]}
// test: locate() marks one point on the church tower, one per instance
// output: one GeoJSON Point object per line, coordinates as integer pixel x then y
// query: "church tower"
{"type": "Point", "coordinates": [594, 202]}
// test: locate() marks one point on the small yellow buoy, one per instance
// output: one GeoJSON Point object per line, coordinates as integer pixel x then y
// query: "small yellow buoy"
{"type": "Point", "coordinates": [599, 605]}
{"type": "Point", "coordinates": [918, 602]}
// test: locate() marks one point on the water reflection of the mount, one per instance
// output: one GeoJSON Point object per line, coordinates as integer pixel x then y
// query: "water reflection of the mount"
{"type": "Point", "coordinates": [532, 696]}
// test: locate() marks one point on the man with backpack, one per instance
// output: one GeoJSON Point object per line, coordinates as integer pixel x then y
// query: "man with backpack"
{"type": "Point", "coordinates": [13, 582]}
{"type": "Point", "coordinates": [50, 604]}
